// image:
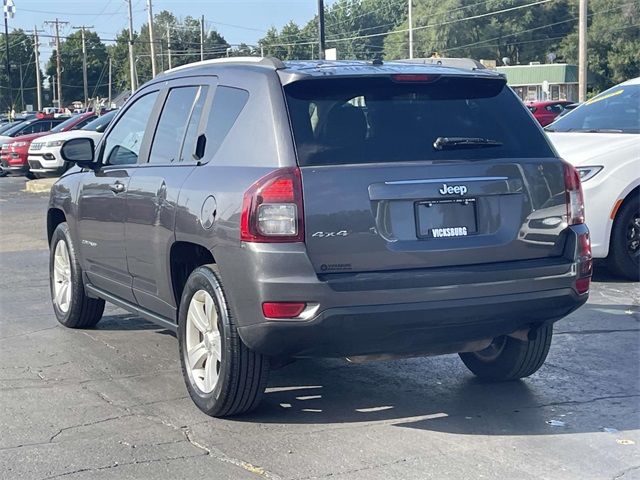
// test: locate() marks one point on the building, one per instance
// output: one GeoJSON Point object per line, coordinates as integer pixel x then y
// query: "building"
{"type": "Point", "coordinates": [552, 81]}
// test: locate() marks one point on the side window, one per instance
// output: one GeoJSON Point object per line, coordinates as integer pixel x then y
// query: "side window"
{"type": "Point", "coordinates": [227, 104]}
{"type": "Point", "coordinates": [83, 123]}
{"type": "Point", "coordinates": [174, 122]}
{"type": "Point", "coordinates": [28, 129]}
{"type": "Point", "coordinates": [122, 146]}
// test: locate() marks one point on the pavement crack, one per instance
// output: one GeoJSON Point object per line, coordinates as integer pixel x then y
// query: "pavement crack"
{"type": "Point", "coordinates": [27, 333]}
{"type": "Point", "coordinates": [356, 470]}
{"type": "Point", "coordinates": [625, 471]}
{"type": "Point", "coordinates": [582, 402]}
{"type": "Point", "coordinates": [117, 465]}
{"type": "Point", "coordinates": [59, 432]}
{"type": "Point", "coordinates": [596, 332]}
{"type": "Point", "coordinates": [100, 341]}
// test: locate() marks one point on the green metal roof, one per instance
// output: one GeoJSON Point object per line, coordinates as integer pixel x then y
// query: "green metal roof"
{"type": "Point", "coordinates": [519, 75]}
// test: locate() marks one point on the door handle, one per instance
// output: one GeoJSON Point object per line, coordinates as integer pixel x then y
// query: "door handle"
{"type": "Point", "coordinates": [117, 187]}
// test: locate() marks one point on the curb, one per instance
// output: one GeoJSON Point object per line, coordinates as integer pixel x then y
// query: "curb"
{"type": "Point", "coordinates": [41, 185]}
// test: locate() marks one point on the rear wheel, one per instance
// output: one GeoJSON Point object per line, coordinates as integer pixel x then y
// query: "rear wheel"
{"type": "Point", "coordinates": [71, 305]}
{"type": "Point", "coordinates": [223, 376]}
{"type": "Point", "coordinates": [508, 358]}
{"type": "Point", "coordinates": [624, 255]}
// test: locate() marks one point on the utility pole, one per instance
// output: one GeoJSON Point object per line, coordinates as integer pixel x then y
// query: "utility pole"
{"type": "Point", "coordinates": [132, 67]}
{"type": "Point", "coordinates": [53, 89]}
{"type": "Point", "coordinates": [410, 28]}
{"type": "Point", "coordinates": [6, 42]}
{"type": "Point", "coordinates": [169, 44]}
{"type": "Point", "coordinates": [21, 88]}
{"type": "Point", "coordinates": [582, 51]}
{"type": "Point", "coordinates": [154, 70]}
{"type": "Point", "coordinates": [321, 28]}
{"type": "Point", "coordinates": [110, 81]}
{"type": "Point", "coordinates": [84, 65]}
{"type": "Point", "coordinates": [36, 53]}
{"type": "Point", "coordinates": [57, 24]}
{"type": "Point", "coordinates": [202, 38]}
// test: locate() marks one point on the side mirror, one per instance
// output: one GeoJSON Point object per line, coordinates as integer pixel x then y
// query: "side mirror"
{"type": "Point", "coordinates": [79, 151]}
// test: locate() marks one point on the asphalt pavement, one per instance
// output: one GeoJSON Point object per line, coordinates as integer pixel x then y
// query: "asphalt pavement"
{"type": "Point", "coordinates": [110, 402]}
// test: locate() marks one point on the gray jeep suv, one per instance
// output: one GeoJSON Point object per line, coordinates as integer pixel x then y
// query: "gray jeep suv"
{"type": "Point", "coordinates": [268, 210]}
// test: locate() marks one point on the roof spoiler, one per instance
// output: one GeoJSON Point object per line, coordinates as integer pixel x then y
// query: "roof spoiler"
{"type": "Point", "coordinates": [467, 63]}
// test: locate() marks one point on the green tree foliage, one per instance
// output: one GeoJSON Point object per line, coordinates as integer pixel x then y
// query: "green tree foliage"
{"type": "Point", "coordinates": [20, 54]}
{"type": "Point", "coordinates": [613, 42]}
{"type": "Point", "coordinates": [71, 59]}
{"type": "Point", "coordinates": [185, 47]}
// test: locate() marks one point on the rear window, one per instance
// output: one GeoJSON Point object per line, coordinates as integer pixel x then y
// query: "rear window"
{"type": "Point", "coordinates": [376, 119]}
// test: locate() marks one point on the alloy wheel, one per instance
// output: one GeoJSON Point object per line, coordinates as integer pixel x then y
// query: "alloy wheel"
{"type": "Point", "coordinates": [203, 341]}
{"type": "Point", "coordinates": [62, 277]}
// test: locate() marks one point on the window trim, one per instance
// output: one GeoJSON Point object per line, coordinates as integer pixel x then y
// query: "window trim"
{"type": "Point", "coordinates": [144, 146]}
{"type": "Point", "coordinates": [210, 81]}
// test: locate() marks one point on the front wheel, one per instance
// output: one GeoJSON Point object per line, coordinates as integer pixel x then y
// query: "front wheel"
{"type": "Point", "coordinates": [624, 255]}
{"type": "Point", "coordinates": [222, 375]}
{"type": "Point", "coordinates": [509, 358]}
{"type": "Point", "coordinates": [72, 306]}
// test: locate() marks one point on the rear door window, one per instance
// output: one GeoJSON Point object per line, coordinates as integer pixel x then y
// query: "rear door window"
{"type": "Point", "coordinates": [178, 123]}
{"type": "Point", "coordinates": [380, 119]}
{"type": "Point", "coordinates": [227, 104]}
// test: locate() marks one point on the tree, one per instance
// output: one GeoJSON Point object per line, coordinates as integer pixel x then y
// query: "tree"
{"type": "Point", "coordinates": [613, 48]}
{"type": "Point", "coordinates": [71, 60]}
{"type": "Point", "coordinates": [21, 55]}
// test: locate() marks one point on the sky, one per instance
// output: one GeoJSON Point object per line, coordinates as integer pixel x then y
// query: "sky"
{"type": "Point", "coordinates": [237, 20]}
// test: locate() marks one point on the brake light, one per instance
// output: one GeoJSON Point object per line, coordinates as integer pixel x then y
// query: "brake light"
{"type": "Point", "coordinates": [574, 196]}
{"type": "Point", "coordinates": [283, 309]}
{"type": "Point", "coordinates": [585, 262]}
{"type": "Point", "coordinates": [414, 77]}
{"type": "Point", "coordinates": [272, 208]}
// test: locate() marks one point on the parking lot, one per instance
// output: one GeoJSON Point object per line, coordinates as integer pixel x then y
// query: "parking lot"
{"type": "Point", "coordinates": [110, 402]}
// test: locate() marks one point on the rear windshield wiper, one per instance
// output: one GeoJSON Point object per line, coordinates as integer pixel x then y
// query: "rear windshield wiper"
{"type": "Point", "coordinates": [443, 143]}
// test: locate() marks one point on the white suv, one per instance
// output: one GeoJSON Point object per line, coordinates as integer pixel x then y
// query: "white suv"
{"type": "Point", "coordinates": [601, 138]}
{"type": "Point", "coordinates": [44, 153]}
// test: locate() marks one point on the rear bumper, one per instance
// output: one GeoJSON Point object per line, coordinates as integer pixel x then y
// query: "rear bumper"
{"type": "Point", "coordinates": [406, 312]}
{"type": "Point", "coordinates": [423, 328]}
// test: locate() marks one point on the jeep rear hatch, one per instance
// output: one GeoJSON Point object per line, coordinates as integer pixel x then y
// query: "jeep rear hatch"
{"type": "Point", "coordinates": [412, 171]}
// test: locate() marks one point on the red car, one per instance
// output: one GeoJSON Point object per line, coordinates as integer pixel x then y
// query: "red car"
{"type": "Point", "coordinates": [546, 112]}
{"type": "Point", "coordinates": [13, 155]}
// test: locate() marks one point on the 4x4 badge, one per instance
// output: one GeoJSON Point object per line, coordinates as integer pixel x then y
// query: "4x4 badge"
{"type": "Point", "coordinates": [453, 189]}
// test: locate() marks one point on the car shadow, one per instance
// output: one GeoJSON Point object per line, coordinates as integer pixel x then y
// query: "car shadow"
{"type": "Point", "coordinates": [601, 273]}
{"type": "Point", "coordinates": [439, 394]}
{"type": "Point", "coordinates": [419, 394]}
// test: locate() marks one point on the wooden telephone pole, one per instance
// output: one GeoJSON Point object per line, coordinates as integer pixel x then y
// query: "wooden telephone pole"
{"type": "Point", "coordinates": [84, 65]}
{"type": "Point", "coordinates": [57, 24]}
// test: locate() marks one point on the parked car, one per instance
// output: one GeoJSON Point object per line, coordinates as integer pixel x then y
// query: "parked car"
{"type": "Point", "coordinates": [7, 126]}
{"type": "Point", "coordinates": [14, 155]}
{"type": "Point", "coordinates": [41, 123]}
{"type": "Point", "coordinates": [44, 154]}
{"type": "Point", "coordinates": [602, 139]}
{"type": "Point", "coordinates": [567, 109]}
{"type": "Point", "coordinates": [546, 112]}
{"type": "Point", "coordinates": [268, 210]}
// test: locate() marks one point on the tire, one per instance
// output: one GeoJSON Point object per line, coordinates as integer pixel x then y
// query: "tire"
{"type": "Point", "coordinates": [236, 376]}
{"type": "Point", "coordinates": [30, 176]}
{"type": "Point", "coordinates": [72, 307]}
{"type": "Point", "coordinates": [508, 358]}
{"type": "Point", "coordinates": [623, 259]}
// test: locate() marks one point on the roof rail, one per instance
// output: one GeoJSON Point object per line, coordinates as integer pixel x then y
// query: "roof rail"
{"type": "Point", "coordinates": [468, 63]}
{"type": "Point", "coordinates": [267, 61]}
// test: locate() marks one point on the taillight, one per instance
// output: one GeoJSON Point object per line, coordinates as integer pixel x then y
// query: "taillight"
{"type": "Point", "coordinates": [283, 309]}
{"type": "Point", "coordinates": [585, 262]}
{"type": "Point", "coordinates": [414, 77]}
{"type": "Point", "coordinates": [272, 208]}
{"type": "Point", "coordinates": [574, 197]}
